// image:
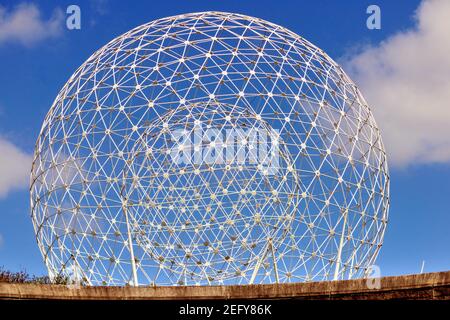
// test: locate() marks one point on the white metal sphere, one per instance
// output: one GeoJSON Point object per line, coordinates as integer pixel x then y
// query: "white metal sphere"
{"type": "Point", "coordinates": [113, 202]}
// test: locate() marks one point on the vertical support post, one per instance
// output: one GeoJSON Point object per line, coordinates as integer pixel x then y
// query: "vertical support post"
{"type": "Point", "coordinates": [258, 265]}
{"type": "Point", "coordinates": [275, 268]}
{"type": "Point", "coordinates": [423, 266]}
{"type": "Point", "coordinates": [352, 261]}
{"type": "Point", "coordinates": [341, 244]}
{"type": "Point", "coordinates": [130, 242]}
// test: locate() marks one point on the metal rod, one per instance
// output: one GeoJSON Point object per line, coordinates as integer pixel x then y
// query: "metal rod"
{"type": "Point", "coordinates": [274, 262]}
{"type": "Point", "coordinates": [423, 266]}
{"type": "Point", "coordinates": [341, 244]}
{"type": "Point", "coordinates": [258, 265]}
{"type": "Point", "coordinates": [130, 242]}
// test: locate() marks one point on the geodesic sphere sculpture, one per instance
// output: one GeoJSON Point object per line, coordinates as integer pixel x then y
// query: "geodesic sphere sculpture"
{"type": "Point", "coordinates": [209, 148]}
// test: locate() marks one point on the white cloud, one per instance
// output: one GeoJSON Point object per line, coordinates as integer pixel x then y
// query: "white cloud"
{"type": "Point", "coordinates": [15, 166]}
{"type": "Point", "coordinates": [25, 24]}
{"type": "Point", "coordinates": [406, 80]}
{"type": "Point", "coordinates": [100, 6]}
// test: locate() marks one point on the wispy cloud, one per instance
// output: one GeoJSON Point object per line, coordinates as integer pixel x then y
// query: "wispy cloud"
{"type": "Point", "coordinates": [24, 24]}
{"type": "Point", "coordinates": [101, 7]}
{"type": "Point", "coordinates": [98, 8]}
{"type": "Point", "coordinates": [406, 80]}
{"type": "Point", "coordinates": [15, 168]}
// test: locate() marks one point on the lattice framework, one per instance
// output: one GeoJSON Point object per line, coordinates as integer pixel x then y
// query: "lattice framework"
{"type": "Point", "coordinates": [109, 205]}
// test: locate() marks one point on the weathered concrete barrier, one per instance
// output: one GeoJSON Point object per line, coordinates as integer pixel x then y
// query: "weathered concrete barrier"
{"type": "Point", "coordinates": [434, 286]}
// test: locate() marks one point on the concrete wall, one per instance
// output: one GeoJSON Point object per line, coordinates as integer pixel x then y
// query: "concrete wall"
{"type": "Point", "coordinates": [418, 286]}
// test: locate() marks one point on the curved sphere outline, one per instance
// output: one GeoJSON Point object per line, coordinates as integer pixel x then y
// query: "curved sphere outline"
{"type": "Point", "coordinates": [112, 203]}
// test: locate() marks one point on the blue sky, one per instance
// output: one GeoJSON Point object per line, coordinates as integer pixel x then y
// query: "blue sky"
{"type": "Point", "coordinates": [33, 69]}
